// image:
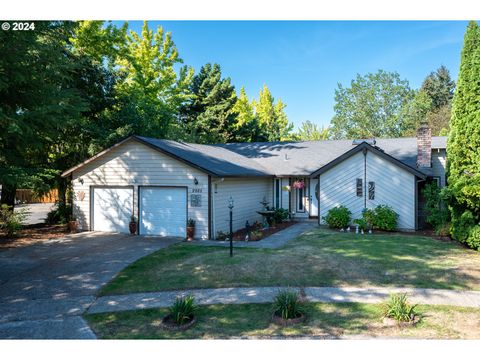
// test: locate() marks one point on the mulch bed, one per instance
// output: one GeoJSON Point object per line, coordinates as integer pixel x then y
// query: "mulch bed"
{"type": "Point", "coordinates": [33, 234]}
{"type": "Point", "coordinates": [240, 235]}
{"type": "Point", "coordinates": [169, 324]}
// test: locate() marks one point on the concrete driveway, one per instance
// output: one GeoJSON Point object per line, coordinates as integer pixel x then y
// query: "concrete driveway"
{"type": "Point", "coordinates": [45, 288]}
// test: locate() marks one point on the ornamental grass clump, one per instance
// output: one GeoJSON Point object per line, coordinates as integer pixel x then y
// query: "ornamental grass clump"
{"type": "Point", "coordinates": [287, 305]}
{"type": "Point", "coordinates": [183, 309]}
{"type": "Point", "coordinates": [398, 308]}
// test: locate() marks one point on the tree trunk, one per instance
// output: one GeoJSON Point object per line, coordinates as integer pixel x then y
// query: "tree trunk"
{"type": "Point", "coordinates": [8, 195]}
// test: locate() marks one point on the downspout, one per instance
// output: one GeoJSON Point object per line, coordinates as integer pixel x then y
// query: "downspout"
{"type": "Point", "coordinates": [318, 200]}
{"type": "Point", "coordinates": [214, 225]}
{"type": "Point", "coordinates": [365, 178]}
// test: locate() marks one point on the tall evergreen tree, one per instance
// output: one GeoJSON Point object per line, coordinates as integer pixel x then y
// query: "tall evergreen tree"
{"type": "Point", "coordinates": [246, 128]}
{"type": "Point", "coordinates": [271, 117]}
{"type": "Point", "coordinates": [310, 131]}
{"type": "Point", "coordinates": [208, 116]}
{"type": "Point", "coordinates": [463, 163]}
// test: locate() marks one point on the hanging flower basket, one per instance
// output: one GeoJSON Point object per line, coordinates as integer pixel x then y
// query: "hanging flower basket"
{"type": "Point", "coordinates": [299, 184]}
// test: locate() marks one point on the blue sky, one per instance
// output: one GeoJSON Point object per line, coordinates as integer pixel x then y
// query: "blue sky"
{"type": "Point", "coordinates": [302, 61]}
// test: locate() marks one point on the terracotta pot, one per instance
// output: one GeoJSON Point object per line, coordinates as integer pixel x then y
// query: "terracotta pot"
{"type": "Point", "coordinates": [132, 226]}
{"type": "Point", "coordinates": [287, 322]}
{"type": "Point", "coordinates": [72, 226]}
{"type": "Point", "coordinates": [169, 324]}
{"type": "Point", "coordinates": [190, 233]}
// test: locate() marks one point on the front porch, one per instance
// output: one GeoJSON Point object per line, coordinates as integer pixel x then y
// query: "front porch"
{"type": "Point", "coordinates": [300, 200]}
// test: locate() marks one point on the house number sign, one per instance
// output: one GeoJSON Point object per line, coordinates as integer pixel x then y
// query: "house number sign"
{"type": "Point", "coordinates": [197, 190]}
{"type": "Point", "coordinates": [195, 200]}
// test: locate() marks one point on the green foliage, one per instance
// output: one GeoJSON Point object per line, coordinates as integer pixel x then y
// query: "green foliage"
{"type": "Point", "coordinates": [286, 304]}
{"type": "Point", "coordinates": [60, 214]}
{"type": "Point", "coordinates": [371, 107]}
{"type": "Point", "coordinates": [362, 224]}
{"type": "Point", "coordinates": [183, 309]}
{"type": "Point", "coordinates": [207, 116]}
{"type": "Point", "coordinates": [398, 308]}
{"type": "Point", "coordinates": [439, 87]}
{"type": "Point", "coordinates": [463, 165]}
{"type": "Point", "coordinates": [338, 217]}
{"type": "Point", "coordinates": [221, 235]}
{"type": "Point", "coordinates": [309, 131]}
{"type": "Point", "coordinates": [191, 223]}
{"type": "Point", "coordinates": [437, 213]}
{"type": "Point", "coordinates": [473, 239]}
{"type": "Point", "coordinates": [415, 113]}
{"type": "Point", "coordinates": [11, 221]}
{"type": "Point", "coordinates": [384, 218]}
{"type": "Point", "coordinates": [280, 215]}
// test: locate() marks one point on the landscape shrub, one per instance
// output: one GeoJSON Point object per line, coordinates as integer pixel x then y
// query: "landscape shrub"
{"type": "Point", "coordinates": [473, 239]}
{"type": "Point", "coordinates": [222, 235]}
{"type": "Point", "coordinates": [11, 221]}
{"type": "Point", "coordinates": [183, 309]}
{"type": "Point", "coordinates": [362, 224]}
{"type": "Point", "coordinates": [398, 308]}
{"type": "Point", "coordinates": [280, 215]}
{"type": "Point", "coordinates": [385, 218]}
{"type": "Point", "coordinates": [287, 305]}
{"type": "Point", "coordinates": [462, 225]}
{"type": "Point", "coordinates": [338, 217]}
{"type": "Point", "coordinates": [60, 214]}
{"type": "Point", "coordinates": [437, 212]}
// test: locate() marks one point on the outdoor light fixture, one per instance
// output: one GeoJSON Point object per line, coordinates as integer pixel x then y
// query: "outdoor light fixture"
{"type": "Point", "coordinates": [230, 203]}
{"type": "Point", "coordinates": [195, 181]}
{"type": "Point", "coordinates": [80, 180]}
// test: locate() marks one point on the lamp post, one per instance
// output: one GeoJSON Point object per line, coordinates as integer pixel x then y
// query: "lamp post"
{"type": "Point", "coordinates": [230, 206]}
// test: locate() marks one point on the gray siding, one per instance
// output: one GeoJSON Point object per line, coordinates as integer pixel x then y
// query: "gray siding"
{"type": "Point", "coordinates": [247, 194]}
{"type": "Point", "coordinates": [438, 165]}
{"type": "Point", "coordinates": [338, 187]}
{"type": "Point", "coordinates": [136, 164]}
{"type": "Point", "coordinates": [393, 186]}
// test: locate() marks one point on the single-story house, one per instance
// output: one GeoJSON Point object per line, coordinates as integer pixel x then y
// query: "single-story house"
{"type": "Point", "coordinates": [163, 183]}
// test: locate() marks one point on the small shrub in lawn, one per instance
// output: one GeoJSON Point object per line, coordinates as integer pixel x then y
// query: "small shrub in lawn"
{"type": "Point", "coordinates": [338, 217]}
{"type": "Point", "coordinates": [287, 305]}
{"type": "Point", "coordinates": [183, 309]}
{"type": "Point", "coordinates": [398, 308]}
{"type": "Point", "coordinates": [11, 221]}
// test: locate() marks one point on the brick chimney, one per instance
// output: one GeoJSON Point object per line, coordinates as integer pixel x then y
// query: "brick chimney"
{"type": "Point", "coordinates": [424, 146]}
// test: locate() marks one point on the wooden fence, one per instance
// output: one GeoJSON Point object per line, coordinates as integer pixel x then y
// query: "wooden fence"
{"type": "Point", "coordinates": [26, 196]}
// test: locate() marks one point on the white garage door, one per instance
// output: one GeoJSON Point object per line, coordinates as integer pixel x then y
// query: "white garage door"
{"type": "Point", "coordinates": [112, 209]}
{"type": "Point", "coordinates": [163, 211]}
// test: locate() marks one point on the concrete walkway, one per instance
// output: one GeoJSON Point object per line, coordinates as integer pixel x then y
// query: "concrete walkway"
{"type": "Point", "coordinates": [273, 241]}
{"type": "Point", "coordinates": [266, 294]}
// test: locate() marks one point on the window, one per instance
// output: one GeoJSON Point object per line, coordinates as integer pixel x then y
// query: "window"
{"type": "Point", "coordinates": [359, 187]}
{"type": "Point", "coordinates": [300, 199]}
{"type": "Point", "coordinates": [371, 190]}
{"type": "Point", "coordinates": [277, 193]}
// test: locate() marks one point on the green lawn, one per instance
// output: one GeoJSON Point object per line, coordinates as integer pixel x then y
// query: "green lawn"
{"type": "Point", "coordinates": [322, 320]}
{"type": "Point", "coordinates": [319, 258]}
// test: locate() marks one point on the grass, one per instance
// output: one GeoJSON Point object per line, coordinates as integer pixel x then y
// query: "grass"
{"type": "Point", "coordinates": [318, 258]}
{"type": "Point", "coordinates": [322, 321]}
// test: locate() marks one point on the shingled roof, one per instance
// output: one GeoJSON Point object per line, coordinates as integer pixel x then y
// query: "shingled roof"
{"type": "Point", "coordinates": [301, 158]}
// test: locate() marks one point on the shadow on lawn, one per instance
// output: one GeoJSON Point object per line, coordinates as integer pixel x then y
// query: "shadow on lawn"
{"type": "Point", "coordinates": [395, 260]}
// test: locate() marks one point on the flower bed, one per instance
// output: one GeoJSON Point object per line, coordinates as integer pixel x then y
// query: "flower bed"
{"type": "Point", "coordinates": [256, 228]}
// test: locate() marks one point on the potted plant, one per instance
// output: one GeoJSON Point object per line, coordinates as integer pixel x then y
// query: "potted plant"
{"type": "Point", "coordinates": [398, 311]}
{"type": "Point", "coordinates": [72, 224]}
{"type": "Point", "coordinates": [181, 314]}
{"type": "Point", "coordinates": [190, 229]}
{"type": "Point", "coordinates": [298, 184]}
{"type": "Point", "coordinates": [132, 226]}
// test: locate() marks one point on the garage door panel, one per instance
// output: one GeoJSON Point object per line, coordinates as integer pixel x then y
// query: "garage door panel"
{"type": "Point", "coordinates": [112, 209]}
{"type": "Point", "coordinates": [163, 211]}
